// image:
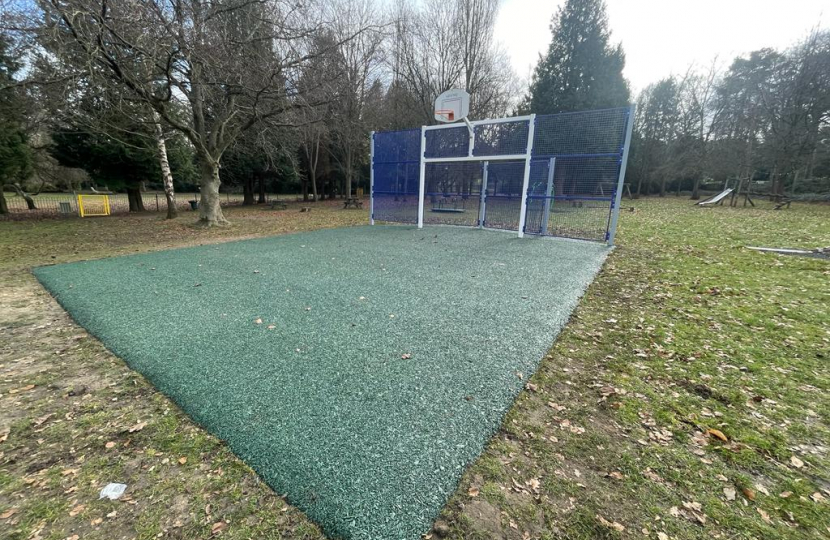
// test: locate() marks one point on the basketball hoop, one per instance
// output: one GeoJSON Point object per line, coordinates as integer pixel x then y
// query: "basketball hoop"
{"type": "Point", "coordinates": [452, 106]}
{"type": "Point", "coordinates": [447, 115]}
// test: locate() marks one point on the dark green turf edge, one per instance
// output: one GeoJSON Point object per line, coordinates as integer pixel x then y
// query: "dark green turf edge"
{"type": "Point", "coordinates": [369, 444]}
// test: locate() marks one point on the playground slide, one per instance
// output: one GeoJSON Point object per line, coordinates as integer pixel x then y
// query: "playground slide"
{"type": "Point", "coordinates": [717, 198]}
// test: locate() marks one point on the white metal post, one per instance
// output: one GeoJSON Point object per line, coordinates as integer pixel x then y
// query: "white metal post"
{"type": "Point", "coordinates": [372, 178]}
{"type": "Point", "coordinates": [526, 182]}
{"type": "Point", "coordinates": [548, 196]}
{"type": "Point", "coordinates": [615, 212]}
{"type": "Point", "coordinates": [422, 179]}
{"type": "Point", "coordinates": [483, 201]}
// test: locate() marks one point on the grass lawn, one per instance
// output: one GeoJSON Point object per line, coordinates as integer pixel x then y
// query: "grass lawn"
{"type": "Point", "coordinates": [685, 339]}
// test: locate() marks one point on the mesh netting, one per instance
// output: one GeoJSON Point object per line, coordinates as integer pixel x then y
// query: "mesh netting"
{"type": "Point", "coordinates": [504, 194]}
{"type": "Point", "coordinates": [580, 133]}
{"type": "Point", "coordinates": [453, 193]}
{"type": "Point", "coordinates": [584, 150]}
{"type": "Point", "coordinates": [501, 138]}
{"type": "Point", "coordinates": [447, 142]}
{"type": "Point", "coordinates": [396, 167]}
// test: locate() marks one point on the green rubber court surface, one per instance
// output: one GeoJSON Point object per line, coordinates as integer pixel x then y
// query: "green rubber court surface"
{"type": "Point", "coordinates": [358, 370]}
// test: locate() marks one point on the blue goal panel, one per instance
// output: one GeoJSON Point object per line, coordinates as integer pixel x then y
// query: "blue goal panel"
{"type": "Point", "coordinates": [395, 169]}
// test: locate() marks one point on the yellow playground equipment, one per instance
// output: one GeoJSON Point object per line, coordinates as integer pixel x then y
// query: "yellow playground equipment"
{"type": "Point", "coordinates": [93, 205]}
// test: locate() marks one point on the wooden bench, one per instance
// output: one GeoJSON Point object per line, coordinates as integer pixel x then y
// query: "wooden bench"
{"type": "Point", "coordinates": [352, 203]}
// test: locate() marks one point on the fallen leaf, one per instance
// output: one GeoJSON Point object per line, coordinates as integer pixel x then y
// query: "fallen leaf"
{"type": "Point", "coordinates": [182, 460]}
{"type": "Point", "coordinates": [77, 510]}
{"type": "Point", "coordinates": [535, 484]}
{"type": "Point", "coordinates": [96, 521]}
{"type": "Point", "coordinates": [44, 418]}
{"type": "Point", "coordinates": [473, 492]}
{"type": "Point", "coordinates": [797, 463]}
{"type": "Point", "coordinates": [748, 493]}
{"type": "Point", "coordinates": [4, 436]}
{"type": "Point", "coordinates": [662, 536]}
{"type": "Point", "coordinates": [729, 493]}
{"type": "Point", "coordinates": [8, 513]}
{"type": "Point", "coordinates": [271, 326]}
{"type": "Point", "coordinates": [218, 527]}
{"type": "Point", "coordinates": [138, 427]}
{"type": "Point", "coordinates": [616, 475]}
{"type": "Point", "coordinates": [817, 497]}
{"type": "Point", "coordinates": [785, 494]}
{"type": "Point", "coordinates": [258, 321]}
{"type": "Point", "coordinates": [762, 489]}
{"type": "Point", "coordinates": [690, 505]}
{"type": "Point", "coordinates": [764, 515]}
{"type": "Point", "coordinates": [717, 434]}
{"type": "Point", "coordinates": [406, 356]}
{"type": "Point", "coordinates": [110, 444]}
{"type": "Point", "coordinates": [532, 387]}
{"type": "Point", "coordinates": [611, 525]}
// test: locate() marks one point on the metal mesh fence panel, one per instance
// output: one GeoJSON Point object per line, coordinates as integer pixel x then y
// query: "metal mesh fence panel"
{"type": "Point", "coordinates": [398, 146]}
{"type": "Point", "coordinates": [453, 193]}
{"type": "Point", "coordinates": [580, 133]}
{"type": "Point", "coordinates": [501, 138]}
{"type": "Point", "coordinates": [447, 142]}
{"type": "Point", "coordinates": [587, 147]}
{"type": "Point", "coordinates": [395, 168]}
{"type": "Point", "coordinates": [575, 166]}
{"type": "Point", "coordinates": [504, 194]}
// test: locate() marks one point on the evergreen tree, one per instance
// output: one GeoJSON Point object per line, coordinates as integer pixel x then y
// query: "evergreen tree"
{"type": "Point", "coordinates": [581, 69]}
{"type": "Point", "coordinates": [15, 154]}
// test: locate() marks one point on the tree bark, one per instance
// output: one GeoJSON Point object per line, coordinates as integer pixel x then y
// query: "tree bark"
{"type": "Point", "coordinates": [248, 192]}
{"type": "Point", "coordinates": [696, 189]}
{"type": "Point", "coordinates": [30, 202]}
{"type": "Point", "coordinates": [135, 199]}
{"type": "Point", "coordinates": [166, 174]}
{"type": "Point", "coordinates": [210, 212]}
{"type": "Point", "coordinates": [261, 199]}
{"type": "Point", "coordinates": [4, 207]}
{"type": "Point", "coordinates": [313, 180]}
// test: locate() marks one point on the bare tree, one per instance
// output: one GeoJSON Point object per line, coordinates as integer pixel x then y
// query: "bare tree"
{"type": "Point", "coordinates": [449, 44]}
{"type": "Point", "coordinates": [359, 63]}
{"type": "Point", "coordinates": [232, 64]}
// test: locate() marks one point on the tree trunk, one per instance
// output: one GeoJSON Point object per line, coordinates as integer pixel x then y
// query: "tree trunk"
{"type": "Point", "coordinates": [773, 193]}
{"type": "Point", "coordinates": [248, 192]}
{"type": "Point", "coordinates": [30, 202]}
{"type": "Point", "coordinates": [166, 175]}
{"type": "Point", "coordinates": [696, 189]}
{"type": "Point", "coordinates": [261, 199]}
{"type": "Point", "coordinates": [313, 180]}
{"type": "Point", "coordinates": [210, 213]}
{"type": "Point", "coordinates": [663, 187]}
{"type": "Point", "coordinates": [4, 207]}
{"type": "Point", "coordinates": [135, 199]}
{"type": "Point", "coordinates": [304, 188]}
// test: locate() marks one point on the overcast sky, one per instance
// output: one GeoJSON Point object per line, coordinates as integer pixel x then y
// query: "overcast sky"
{"type": "Point", "coordinates": [661, 37]}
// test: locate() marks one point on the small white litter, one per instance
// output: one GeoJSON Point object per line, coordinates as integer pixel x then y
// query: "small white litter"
{"type": "Point", "coordinates": [112, 491]}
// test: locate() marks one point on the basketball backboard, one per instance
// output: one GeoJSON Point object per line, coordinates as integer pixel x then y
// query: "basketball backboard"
{"type": "Point", "coordinates": [452, 106]}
